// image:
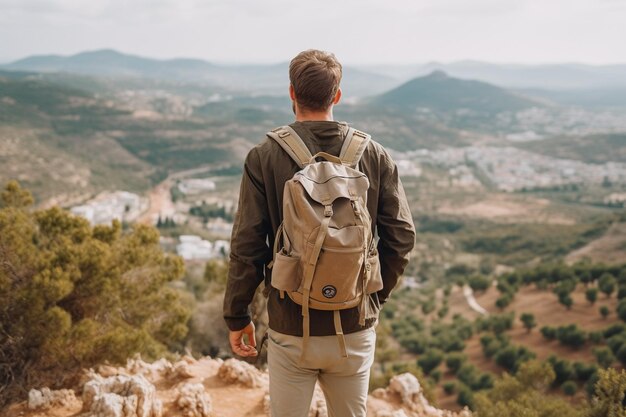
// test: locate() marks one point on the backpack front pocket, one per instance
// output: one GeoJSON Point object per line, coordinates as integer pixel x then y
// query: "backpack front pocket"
{"type": "Point", "coordinates": [286, 272]}
{"type": "Point", "coordinates": [337, 275]}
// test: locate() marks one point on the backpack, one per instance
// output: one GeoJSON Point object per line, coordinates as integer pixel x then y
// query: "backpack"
{"type": "Point", "coordinates": [324, 254]}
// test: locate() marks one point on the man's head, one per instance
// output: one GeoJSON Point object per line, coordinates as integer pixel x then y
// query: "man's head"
{"type": "Point", "coordinates": [315, 76]}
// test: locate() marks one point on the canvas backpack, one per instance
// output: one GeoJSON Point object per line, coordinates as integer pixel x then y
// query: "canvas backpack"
{"type": "Point", "coordinates": [325, 255]}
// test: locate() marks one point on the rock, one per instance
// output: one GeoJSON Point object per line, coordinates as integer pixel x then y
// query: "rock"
{"type": "Point", "coordinates": [394, 413]}
{"type": "Point", "coordinates": [235, 371]}
{"type": "Point", "coordinates": [47, 398]}
{"type": "Point", "coordinates": [121, 396]}
{"type": "Point", "coordinates": [414, 404]}
{"type": "Point", "coordinates": [380, 393]}
{"type": "Point", "coordinates": [193, 401]}
{"type": "Point", "coordinates": [179, 370]}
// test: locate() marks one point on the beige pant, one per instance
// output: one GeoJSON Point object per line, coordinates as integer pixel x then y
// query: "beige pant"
{"type": "Point", "coordinates": [344, 381]}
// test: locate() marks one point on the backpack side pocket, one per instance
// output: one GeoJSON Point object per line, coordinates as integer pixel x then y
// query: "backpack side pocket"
{"type": "Point", "coordinates": [286, 272]}
{"type": "Point", "coordinates": [375, 280]}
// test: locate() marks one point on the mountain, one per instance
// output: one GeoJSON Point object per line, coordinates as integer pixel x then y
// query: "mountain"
{"type": "Point", "coordinates": [440, 92]}
{"type": "Point", "coordinates": [266, 79]}
{"type": "Point", "coordinates": [551, 76]}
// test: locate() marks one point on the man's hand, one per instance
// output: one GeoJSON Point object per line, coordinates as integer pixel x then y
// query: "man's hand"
{"type": "Point", "coordinates": [239, 346]}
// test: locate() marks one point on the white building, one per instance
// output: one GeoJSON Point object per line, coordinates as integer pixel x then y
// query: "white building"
{"type": "Point", "coordinates": [193, 247]}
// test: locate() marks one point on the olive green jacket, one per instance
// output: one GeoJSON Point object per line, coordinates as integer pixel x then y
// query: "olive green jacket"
{"type": "Point", "coordinates": [267, 167]}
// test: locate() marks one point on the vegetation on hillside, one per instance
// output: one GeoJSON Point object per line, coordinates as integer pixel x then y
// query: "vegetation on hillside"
{"type": "Point", "coordinates": [73, 296]}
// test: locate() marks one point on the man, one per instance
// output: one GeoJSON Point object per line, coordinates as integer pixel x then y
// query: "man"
{"type": "Point", "coordinates": [315, 77]}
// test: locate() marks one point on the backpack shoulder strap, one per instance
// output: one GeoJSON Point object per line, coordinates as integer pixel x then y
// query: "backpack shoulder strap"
{"type": "Point", "coordinates": [353, 147]}
{"type": "Point", "coordinates": [289, 140]}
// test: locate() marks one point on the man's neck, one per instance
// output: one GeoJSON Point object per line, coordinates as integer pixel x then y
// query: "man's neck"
{"type": "Point", "coordinates": [314, 116]}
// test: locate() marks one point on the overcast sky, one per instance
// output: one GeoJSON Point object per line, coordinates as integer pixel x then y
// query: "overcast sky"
{"type": "Point", "coordinates": [358, 31]}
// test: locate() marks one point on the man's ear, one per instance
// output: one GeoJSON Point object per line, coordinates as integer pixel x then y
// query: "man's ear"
{"type": "Point", "coordinates": [292, 93]}
{"type": "Point", "coordinates": [337, 96]}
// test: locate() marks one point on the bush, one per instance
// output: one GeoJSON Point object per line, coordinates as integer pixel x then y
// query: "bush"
{"type": "Point", "coordinates": [528, 319]}
{"type": "Point", "coordinates": [435, 375]}
{"type": "Point", "coordinates": [449, 387]}
{"type": "Point", "coordinates": [549, 333]}
{"type": "Point", "coordinates": [465, 397]}
{"type": "Point", "coordinates": [591, 294]}
{"type": "Point", "coordinates": [73, 296]}
{"type": "Point", "coordinates": [621, 310]}
{"type": "Point", "coordinates": [566, 300]}
{"type": "Point", "coordinates": [479, 283]}
{"type": "Point", "coordinates": [606, 284]}
{"type": "Point", "coordinates": [584, 371]}
{"type": "Point", "coordinates": [511, 357]}
{"type": "Point", "coordinates": [569, 388]}
{"type": "Point", "coordinates": [595, 337]}
{"type": "Point", "coordinates": [497, 323]}
{"type": "Point", "coordinates": [613, 330]}
{"type": "Point", "coordinates": [609, 394]}
{"type": "Point", "coordinates": [604, 312]}
{"type": "Point", "coordinates": [503, 301]}
{"type": "Point", "coordinates": [604, 356]}
{"type": "Point", "coordinates": [621, 292]}
{"type": "Point", "coordinates": [563, 369]}
{"type": "Point", "coordinates": [621, 354]}
{"type": "Point", "coordinates": [454, 361]}
{"type": "Point", "coordinates": [430, 360]}
{"type": "Point", "coordinates": [571, 336]}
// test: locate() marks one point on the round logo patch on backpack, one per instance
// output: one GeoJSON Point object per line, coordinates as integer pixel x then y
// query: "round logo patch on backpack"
{"type": "Point", "coordinates": [329, 291]}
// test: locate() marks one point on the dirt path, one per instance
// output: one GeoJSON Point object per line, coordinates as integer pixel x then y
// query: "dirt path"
{"type": "Point", "coordinates": [468, 293]}
{"type": "Point", "coordinates": [160, 197]}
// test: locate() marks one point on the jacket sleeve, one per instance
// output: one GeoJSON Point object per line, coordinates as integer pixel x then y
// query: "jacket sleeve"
{"type": "Point", "coordinates": [249, 249]}
{"type": "Point", "coordinates": [395, 227]}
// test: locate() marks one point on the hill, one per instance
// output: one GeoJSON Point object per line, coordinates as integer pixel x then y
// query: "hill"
{"type": "Point", "coordinates": [597, 148]}
{"type": "Point", "coordinates": [270, 78]}
{"type": "Point", "coordinates": [557, 77]}
{"type": "Point", "coordinates": [440, 92]}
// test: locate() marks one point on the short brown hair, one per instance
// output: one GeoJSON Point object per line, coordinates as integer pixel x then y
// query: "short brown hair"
{"type": "Point", "coordinates": [315, 76]}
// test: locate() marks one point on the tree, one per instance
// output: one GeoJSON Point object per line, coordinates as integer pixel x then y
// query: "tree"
{"type": "Point", "coordinates": [479, 283]}
{"type": "Point", "coordinates": [591, 294]}
{"type": "Point", "coordinates": [566, 300]}
{"type": "Point", "coordinates": [454, 361]}
{"type": "Point", "coordinates": [604, 311]}
{"type": "Point", "coordinates": [523, 395]}
{"type": "Point", "coordinates": [528, 319]}
{"type": "Point", "coordinates": [607, 284]}
{"type": "Point", "coordinates": [72, 295]}
{"type": "Point", "coordinates": [430, 360]}
{"type": "Point", "coordinates": [621, 310]}
{"type": "Point", "coordinates": [608, 400]}
{"type": "Point", "coordinates": [569, 388]}
{"type": "Point", "coordinates": [604, 356]}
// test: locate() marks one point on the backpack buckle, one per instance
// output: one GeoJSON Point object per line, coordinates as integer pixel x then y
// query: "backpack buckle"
{"type": "Point", "coordinates": [328, 210]}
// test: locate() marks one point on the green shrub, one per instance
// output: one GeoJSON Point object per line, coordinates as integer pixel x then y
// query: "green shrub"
{"type": "Point", "coordinates": [73, 296]}
{"type": "Point", "coordinates": [569, 388]}
{"type": "Point", "coordinates": [454, 361]}
{"type": "Point", "coordinates": [571, 335]}
{"type": "Point", "coordinates": [604, 356]}
{"type": "Point", "coordinates": [607, 283]}
{"type": "Point", "coordinates": [511, 357]}
{"type": "Point", "coordinates": [479, 282]}
{"type": "Point", "coordinates": [430, 360]}
{"type": "Point", "coordinates": [591, 294]}
{"type": "Point", "coordinates": [595, 337]}
{"type": "Point", "coordinates": [449, 387]}
{"type": "Point", "coordinates": [549, 333]}
{"type": "Point", "coordinates": [528, 319]}
{"type": "Point", "coordinates": [465, 397]}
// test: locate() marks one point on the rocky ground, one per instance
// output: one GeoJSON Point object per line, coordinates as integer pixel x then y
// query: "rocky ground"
{"type": "Point", "coordinates": [200, 388]}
